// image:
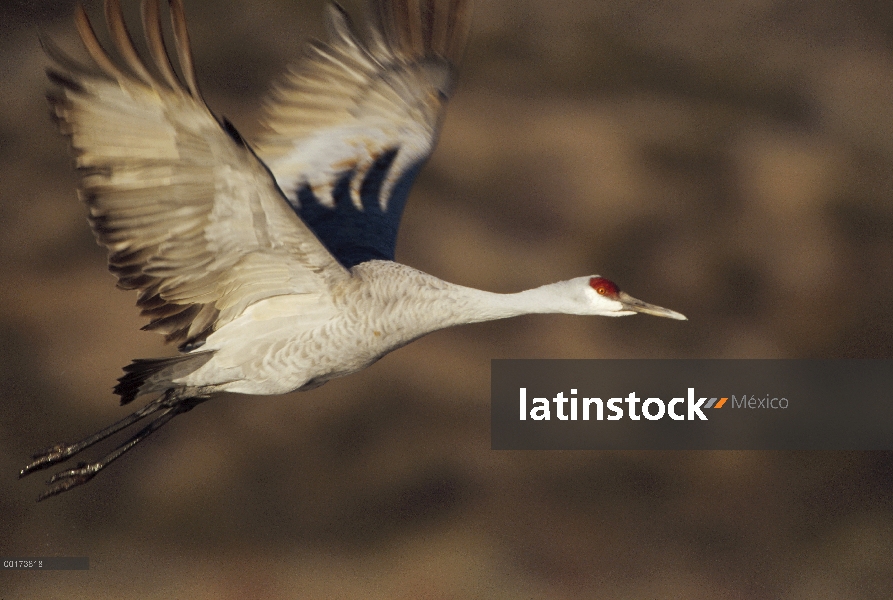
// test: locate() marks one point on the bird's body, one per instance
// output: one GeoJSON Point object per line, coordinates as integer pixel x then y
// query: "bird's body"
{"type": "Point", "coordinates": [292, 342]}
{"type": "Point", "coordinates": [271, 266]}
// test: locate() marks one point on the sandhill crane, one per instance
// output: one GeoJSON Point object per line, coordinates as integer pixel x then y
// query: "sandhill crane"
{"type": "Point", "coordinates": [271, 265]}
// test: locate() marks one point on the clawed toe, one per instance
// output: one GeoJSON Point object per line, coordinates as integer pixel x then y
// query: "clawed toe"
{"type": "Point", "coordinates": [64, 481]}
{"type": "Point", "coordinates": [47, 458]}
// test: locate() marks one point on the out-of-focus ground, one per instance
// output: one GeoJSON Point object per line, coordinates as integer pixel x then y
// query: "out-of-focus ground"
{"type": "Point", "coordinates": [730, 160]}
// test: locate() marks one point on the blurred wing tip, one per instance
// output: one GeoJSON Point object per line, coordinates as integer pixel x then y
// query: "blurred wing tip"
{"type": "Point", "coordinates": [336, 15]}
{"type": "Point", "coordinates": [136, 70]}
{"type": "Point", "coordinates": [62, 63]}
{"type": "Point", "coordinates": [184, 51]}
{"type": "Point", "coordinates": [418, 29]}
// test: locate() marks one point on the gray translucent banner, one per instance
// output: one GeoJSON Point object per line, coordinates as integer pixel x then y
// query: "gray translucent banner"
{"type": "Point", "coordinates": [692, 404]}
{"type": "Point", "coordinates": [50, 563]}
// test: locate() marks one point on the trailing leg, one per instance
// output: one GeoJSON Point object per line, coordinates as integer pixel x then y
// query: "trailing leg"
{"type": "Point", "coordinates": [169, 403]}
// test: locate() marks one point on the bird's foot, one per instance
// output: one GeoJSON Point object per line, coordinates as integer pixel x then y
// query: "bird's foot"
{"type": "Point", "coordinates": [65, 480]}
{"type": "Point", "coordinates": [48, 458]}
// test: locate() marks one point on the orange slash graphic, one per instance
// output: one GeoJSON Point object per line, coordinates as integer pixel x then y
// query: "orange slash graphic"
{"type": "Point", "coordinates": [720, 403]}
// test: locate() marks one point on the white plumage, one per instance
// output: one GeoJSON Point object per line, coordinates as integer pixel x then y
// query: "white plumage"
{"type": "Point", "coordinates": [273, 275]}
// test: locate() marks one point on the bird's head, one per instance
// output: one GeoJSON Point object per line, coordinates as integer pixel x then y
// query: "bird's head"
{"type": "Point", "coordinates": [604, 298]}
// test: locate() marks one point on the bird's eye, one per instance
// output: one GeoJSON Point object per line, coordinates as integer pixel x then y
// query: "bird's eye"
{"type": "Point", "coordinates": [604, 287]}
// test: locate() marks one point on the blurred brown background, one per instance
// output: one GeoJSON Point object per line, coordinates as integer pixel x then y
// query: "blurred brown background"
{"type": "Point", "coordinates": [730, 160]}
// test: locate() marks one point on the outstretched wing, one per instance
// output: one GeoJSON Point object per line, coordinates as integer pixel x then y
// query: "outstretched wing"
{"type": "Point", "coordinates": [348, 127]}
{"type": "Point", "coordinates": [191, 218]}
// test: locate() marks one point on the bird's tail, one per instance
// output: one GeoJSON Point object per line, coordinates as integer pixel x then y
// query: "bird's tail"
{"type": "Point", "coordinates": [424, 28]}
{"type": "Point", "coordinates": [147, 375]}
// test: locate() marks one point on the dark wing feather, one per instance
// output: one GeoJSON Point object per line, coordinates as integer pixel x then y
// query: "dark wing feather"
{"type": "Point", "coordinates": [350, 126]}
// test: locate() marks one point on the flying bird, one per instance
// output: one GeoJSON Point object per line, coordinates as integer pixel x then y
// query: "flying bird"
{"type": "Point", "coordinates": [271, 264]}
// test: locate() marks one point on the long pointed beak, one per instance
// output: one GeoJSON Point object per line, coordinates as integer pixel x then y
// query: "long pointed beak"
{"type": "Point", "coordinates": [636, 305]}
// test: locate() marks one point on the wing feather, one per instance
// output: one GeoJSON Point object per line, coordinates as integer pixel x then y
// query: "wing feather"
{"type": "Point", "coordinates": [155, 40]}
{"type": "Point", "coordinates": [181, 39]}
{"type": "Point", "coordinates": [114, 16]}
{"type": "Point", "coordinates": [191, 218]}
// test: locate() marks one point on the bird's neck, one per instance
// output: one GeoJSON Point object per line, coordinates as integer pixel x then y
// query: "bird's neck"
{"type": "Point", "coordinates": [424, 303]}
{"type": "Point", "coordinates": [473, 306]}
